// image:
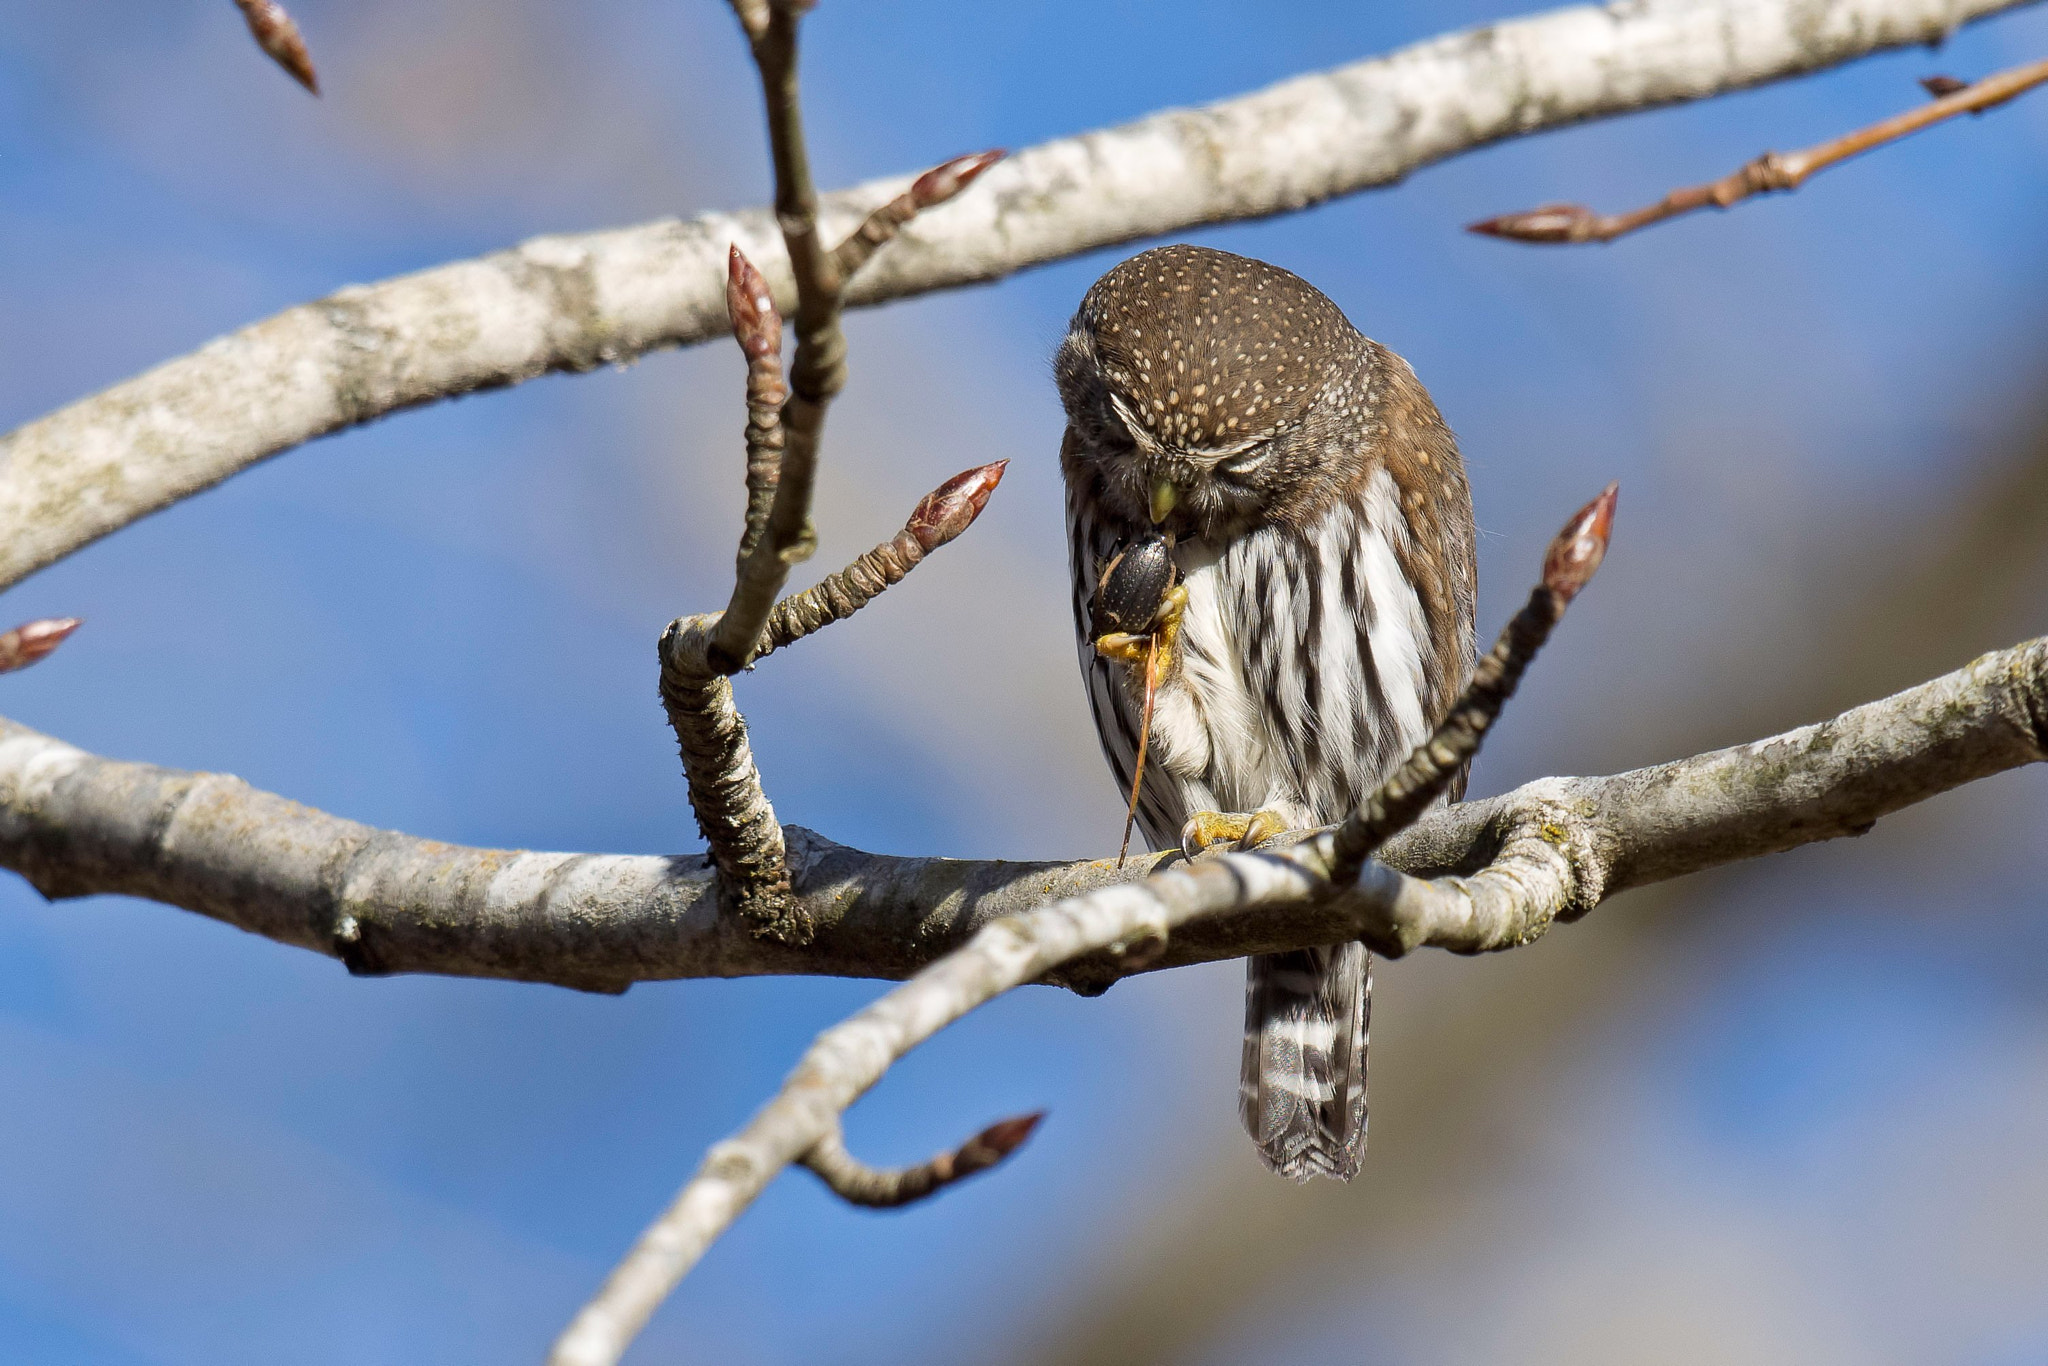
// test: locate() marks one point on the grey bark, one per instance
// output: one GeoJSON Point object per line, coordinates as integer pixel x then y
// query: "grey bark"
{"type": "Point", "coordinates": [1476, 877]}
{"type": "Point", "coordinates": [576, 301]}
{"type": "Point", "coordinates": [1547, 851]}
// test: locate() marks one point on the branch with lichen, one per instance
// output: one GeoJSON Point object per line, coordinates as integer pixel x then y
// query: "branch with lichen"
{"type": "Point", "coordinates": [1770, 173]}
{"type": "Point", "coordinates": [579, 301]}
{"type": "Point", "coordinates": [1470, 878]}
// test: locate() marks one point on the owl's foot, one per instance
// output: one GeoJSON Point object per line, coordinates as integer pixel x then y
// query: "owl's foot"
{"type": "Point", "coordinates": [1130, 647]}
{"type": "Point", "coordinates": [1244, 829]}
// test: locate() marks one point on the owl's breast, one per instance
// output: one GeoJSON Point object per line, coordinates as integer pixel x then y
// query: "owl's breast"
{"type": "Point", "coordinates": [1303, 669]}
{"type": "Point", "coordinates": [1209, 724]}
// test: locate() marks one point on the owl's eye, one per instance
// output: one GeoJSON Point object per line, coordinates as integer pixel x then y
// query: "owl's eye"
{"type": "Point", "coordinates": [1244, 462]}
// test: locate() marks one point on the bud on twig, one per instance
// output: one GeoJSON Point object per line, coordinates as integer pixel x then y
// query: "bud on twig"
{"type": "Point", "coordinates": [941, 183]}
{"type": "Point", "coordinates": [935, 186]}
{"type": "Point", "coordinates": [990, 1146]}
{"type": "Point", "coordinates": [756, 326]}
{"type": "Point", "coordinates": [33, 641]}
{"type": "Point", "coordinates": [277, 35]}
{"type": "Point", "coordinates": [1772, 172]}
{"type": "Point", "coordinates": [1550, 223]}
{"type": "Point", "coordinates": [951, 508]}
{"type": "Point", "coordinates": [1575, 554]}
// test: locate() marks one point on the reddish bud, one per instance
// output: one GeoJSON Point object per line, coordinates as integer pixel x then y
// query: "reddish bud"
{"type": "Point", "coordinates": [756, 326]}
{"type": "Point", "coordinates": [1550, 223]}
{"type": "Point", "coordinates": [941, 183]}
{"type": "Point", "coordinates": [951, 508]}
{"type": "Point", "coordinates": [277, 35]}
{"type": "Point", "coordinates": [1005, 1136]}
{"type": "Point", "coordinates": [1573, 557]}
{"type": "Point", "coordinates": [26, 644]}
{"type": "Point", "coordinates": [1941, 87]}
{"type": "Point", "coordinates": [992, 1145]}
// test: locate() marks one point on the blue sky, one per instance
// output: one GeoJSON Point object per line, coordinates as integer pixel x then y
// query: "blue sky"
{"type": "Point", "coordinates": [1800, 1122]}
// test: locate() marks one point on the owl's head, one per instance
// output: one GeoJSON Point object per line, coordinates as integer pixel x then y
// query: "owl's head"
{"type": "Point", "coordinates": [1210, 393]}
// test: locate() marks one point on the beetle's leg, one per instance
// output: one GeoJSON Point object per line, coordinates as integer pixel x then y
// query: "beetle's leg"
{"type": "Point", "coordinates": [1123, 646]}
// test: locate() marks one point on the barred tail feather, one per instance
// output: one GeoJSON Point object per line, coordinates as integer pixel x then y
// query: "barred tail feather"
{"type": "Point", "coordinates": [1301, 1093]}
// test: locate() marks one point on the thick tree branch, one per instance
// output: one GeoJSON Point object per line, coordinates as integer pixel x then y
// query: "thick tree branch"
{"type": "Point", "coordinates": [578, 301]}
{"type": "Point", "coordinates": [1769, 173]}
{"type": "Point", "coordinates": [77, 825]}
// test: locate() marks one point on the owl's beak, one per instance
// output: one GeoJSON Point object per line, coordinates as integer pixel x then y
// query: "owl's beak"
{"type": "Point", "coordinates": [1164, 497]}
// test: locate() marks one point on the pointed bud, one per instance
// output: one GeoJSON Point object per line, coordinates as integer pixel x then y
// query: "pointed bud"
{"type": "Point", "coordinates": [1941, 87]}
{"type": "Point", "coordinates": [1569, 564]}
{"type": "Point", "coordinates": [951, 508]}
{"type": "Point", "coordinates": [277, 35]}
{"type": "Point", "coordinates": [26, 644]}
{"type": "Point", "coordinates": [993, 1144]}
{"type": "Point", "coordinates": [755, 323]}
{"type": "Point", "coordinates": [941, 183]}
{"type": "Point", "coordinates": [1551, 223]}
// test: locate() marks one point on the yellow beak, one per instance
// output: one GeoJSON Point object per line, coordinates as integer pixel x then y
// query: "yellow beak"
{"type": "Point", "coordinates": [1164, 496]}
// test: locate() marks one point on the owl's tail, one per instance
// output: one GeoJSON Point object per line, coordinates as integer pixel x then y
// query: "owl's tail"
{"type": "Point", "coordinates": [1301, 1093]}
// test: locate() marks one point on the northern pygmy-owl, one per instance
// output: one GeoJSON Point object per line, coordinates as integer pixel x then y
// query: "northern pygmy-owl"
{"type": "Point", "coordinates": [1321, 524]}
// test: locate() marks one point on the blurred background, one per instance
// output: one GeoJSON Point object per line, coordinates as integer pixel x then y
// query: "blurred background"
{"type": "Point", "coordinates": [1795, 1111]}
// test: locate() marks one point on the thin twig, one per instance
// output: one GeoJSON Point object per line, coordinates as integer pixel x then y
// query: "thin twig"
{"type": "Point", "coordinates": [934, 187]}
{"type": "Point", "coordinates": [757, 327]}
{"type": "Point", "coordinates": [939, 516]}
{"type": "Point", "coordinates": [883, 1188]}
{"type": "Point", "coordinates": [1569, 564]}
{"type": "Point", "coordinates": [1771, 172]}
{"type": "Point", "coordinates": [278, 36]}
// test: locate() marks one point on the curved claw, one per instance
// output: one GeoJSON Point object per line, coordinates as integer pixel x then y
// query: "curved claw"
{"type": "Point", "coordinates": [1241, 829]}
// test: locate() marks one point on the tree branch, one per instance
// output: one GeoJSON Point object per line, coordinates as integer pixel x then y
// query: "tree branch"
{"type": "Point", "coordinates": [577, 301]}
{"type": "Point", "coordinates": [77, 825]}
{"type": "Point", "coordinates": [1769, 173]}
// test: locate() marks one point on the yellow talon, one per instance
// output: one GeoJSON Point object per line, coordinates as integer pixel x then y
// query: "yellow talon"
{"type": "Point", "coordinates": [1244, 829]}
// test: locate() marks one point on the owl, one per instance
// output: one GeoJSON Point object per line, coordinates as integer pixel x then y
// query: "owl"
{"type": "Point", "coordinates": [1321, 527]}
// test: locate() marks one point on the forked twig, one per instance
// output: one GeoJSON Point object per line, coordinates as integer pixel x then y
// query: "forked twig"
{"type": "Point", "coordinates": [785, 421]}
{"type": "Point", "coordinates": [1771, 172]}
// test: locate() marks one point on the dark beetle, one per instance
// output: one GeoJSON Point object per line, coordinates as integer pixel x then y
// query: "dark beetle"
{"type": "Point", "coordinates": [1133, 586]}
